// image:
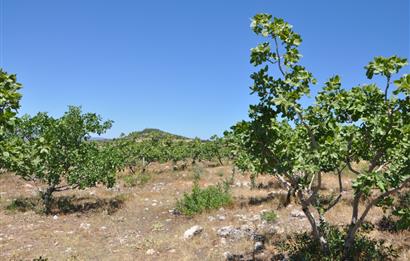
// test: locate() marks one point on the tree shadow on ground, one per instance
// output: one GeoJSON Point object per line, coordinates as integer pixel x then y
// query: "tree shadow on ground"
{"type": "Point", "coordinates": [69, 205]}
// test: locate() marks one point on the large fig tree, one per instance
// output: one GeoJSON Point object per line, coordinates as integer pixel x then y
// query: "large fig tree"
{"type": "Point", "coordinates": [299, 142]}
{"type": "Point", "coordinates": [9, 104]}
{"type": "Point", "coordinates": [59, 154]}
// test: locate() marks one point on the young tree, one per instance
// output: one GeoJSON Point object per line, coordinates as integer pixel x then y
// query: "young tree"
{"type": "Point", "coordinates": [299, 144]}
{"type": "Point", "coordinates": [9, 104]}
{"type": "Point", "coordinates": [58, 152]}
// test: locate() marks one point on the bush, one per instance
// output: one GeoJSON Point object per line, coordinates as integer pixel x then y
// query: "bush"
{"type": "Point", "coordinates": [24, 204]}
{"type": "Point", "coordinates": [199, 200]}
{"type": "Point", "coordinates": [399, 219]}
{"type": "Point", "coordinates": [302, 246]}
{"type": "Point", "coordinates": [269, 216]}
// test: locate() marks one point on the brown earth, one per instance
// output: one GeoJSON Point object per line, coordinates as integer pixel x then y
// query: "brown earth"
{"type": "Point", "coordinates": [135, 223]}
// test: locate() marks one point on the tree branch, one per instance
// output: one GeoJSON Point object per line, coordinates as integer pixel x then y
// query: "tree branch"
{"type": "Point", "coordinates": [376, 200]}
{"type": "Point", "coordinates": [278, 56]}
{"type": "Point", "coordinates": [332, 204]}
{"type": "Point", "coordinates": [348, 164]}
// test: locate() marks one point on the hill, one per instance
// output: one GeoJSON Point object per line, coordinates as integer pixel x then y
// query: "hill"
{"type": "Point", "coordinates": [151, 133]}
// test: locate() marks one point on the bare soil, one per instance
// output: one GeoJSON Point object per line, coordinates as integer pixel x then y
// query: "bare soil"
{"type": "Point", "coordinates": [137, 223]}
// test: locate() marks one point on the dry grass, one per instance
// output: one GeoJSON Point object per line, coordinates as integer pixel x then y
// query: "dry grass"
{"type": "Point", "coordinates": [143, 221]}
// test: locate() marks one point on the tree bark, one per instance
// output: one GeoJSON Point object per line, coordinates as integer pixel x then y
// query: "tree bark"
{"type": "Point", "coordinates": [317, 235]}
{"type": "Point", "coordinates": [47, 198]}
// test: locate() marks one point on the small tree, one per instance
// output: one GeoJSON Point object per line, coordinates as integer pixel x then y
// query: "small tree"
{"type": "Point", "coordinates": [299, 144]}
{"type": "Point", "coordinates": [9, 104]}
{"type": "Point", "coordinates": [58, 152]}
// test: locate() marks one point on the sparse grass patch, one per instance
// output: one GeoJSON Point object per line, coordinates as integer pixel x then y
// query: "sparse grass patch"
{"type": "Point", "coordinates": [68, 204]}
{"type": "Point", "coordinates": [220, 173]}
{"type": "Point", "coordinates": [301, 246]}
{"type": "Point", "coordinates": [269, 216]}
{"type": "Point", "coordinates": [136, 180]}
{"type": "Point", "coordinates": [40, 259]}
{"type": "Point", "coordinates": [158, 226]}
{"type": "Point", "coordinates": [25, 204]}
{"type": "Point", "coordinates": [201, 199]}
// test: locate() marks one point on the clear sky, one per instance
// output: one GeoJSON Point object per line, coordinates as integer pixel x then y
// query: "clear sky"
{"type": "Point", "coordinates": [181, 66]}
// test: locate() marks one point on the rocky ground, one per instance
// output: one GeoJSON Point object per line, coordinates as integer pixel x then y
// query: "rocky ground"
{"type": "Point", "coordinates": [140, 223]}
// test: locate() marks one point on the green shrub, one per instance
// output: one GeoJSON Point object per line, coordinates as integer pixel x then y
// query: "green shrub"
{"type": "Point", "coordinates": [24, 204]}
{"type": "Point", "coordinates": [199, 200]}
{"type": "Point", "coordinates": [136, 180]}
{"type": "Point", "coordinates": [269, 216]}
{"type": "Point", "coordinates": [301, 246]}
{"type": "Point", "coordinates": [402, 211]}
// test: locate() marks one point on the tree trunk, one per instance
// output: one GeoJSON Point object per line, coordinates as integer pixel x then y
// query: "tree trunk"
{"type": "Point", "coordinates": [47, 198]}
{"type": "Point", "coordinates": [354, 225]}
{"type": "Point", "coordinates": [317, 234]}
{"type": "Point", "coordinates": [220, 160]}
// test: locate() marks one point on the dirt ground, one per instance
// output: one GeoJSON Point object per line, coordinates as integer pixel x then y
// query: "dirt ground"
{"type": "Point", "coordinates": [137, 223]}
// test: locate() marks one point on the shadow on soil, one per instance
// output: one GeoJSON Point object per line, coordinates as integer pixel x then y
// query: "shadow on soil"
{"type": "Point", "coordinates": [69, 205]}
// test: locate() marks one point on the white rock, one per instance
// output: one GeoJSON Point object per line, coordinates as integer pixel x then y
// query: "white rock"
{"type": "Point", "coordinates": [297, 213]}
{"type": "Point", "coordinates": [55, 217]}
{"type": "Point", "coordinates": [150, 252]}
{"type": "Point", "coordinates": [211, 218]}
{"type": "Point", "coordinates": [85, 226]}
{"type": "Point", "coordinates": [221, 217]}
{"type": "Point", "coordinates": [234, 233]}
{"type": "Point", "coordinates": [227, 255]}
{"type": "Point", "coordinates": [259, 246]}
{"type": "Point", "coordinates": [195, 230]}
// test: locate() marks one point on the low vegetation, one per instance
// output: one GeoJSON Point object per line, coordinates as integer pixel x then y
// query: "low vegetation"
{"type": "Point", "coordinates": [204, 199]}
{"type": "Point", "coordinates": [301, 246]}
{"type": "Point", "coordinates": [269, 216]}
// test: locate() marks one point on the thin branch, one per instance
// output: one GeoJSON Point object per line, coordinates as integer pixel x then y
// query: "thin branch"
{"type": "Point", "coordinates": [272, 62]}
{"type": "Point", "coordinates": [348, 164]}
{"type": "Point", "coordinates": [387, 88]}
{"type": "Point", "coordinates": [278, 56]}
{"type": "Point", "coordinates": [376, 200]}
{"type": "Point", "coordinates": [316, 189]}
{"type": "Point", "coordinates": [64, 188]}
{"type": "Point", "coordinates": [332, 204]}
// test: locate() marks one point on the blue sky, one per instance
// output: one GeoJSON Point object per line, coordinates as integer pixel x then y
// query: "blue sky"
{"type": "Point", "coordinates": [181, 66]}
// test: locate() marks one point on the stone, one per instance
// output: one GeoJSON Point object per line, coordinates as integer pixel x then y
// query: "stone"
{"type": "Point", "coordinates": [235, 233]}
{"type": "Point", "coordinates": [150, 252]}
{"type": "Point", "coordinates": [85, 226]}
{"type": "Point", "coordinates": [211, 218]}
{"type": "Point", "coordinates": [227, 255]}
{"type": "Point", "coordinates": [297, 213]}
{"type": "Point", "coordinates": [193, 231]}
{"type": "Point", "coordinates": [221, 217]}
{"type": "Point", "coordinates": [258, 246]}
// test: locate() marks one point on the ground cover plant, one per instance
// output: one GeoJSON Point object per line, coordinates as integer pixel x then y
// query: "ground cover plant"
{"type": "Point", "coordinates": [204, 199]}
